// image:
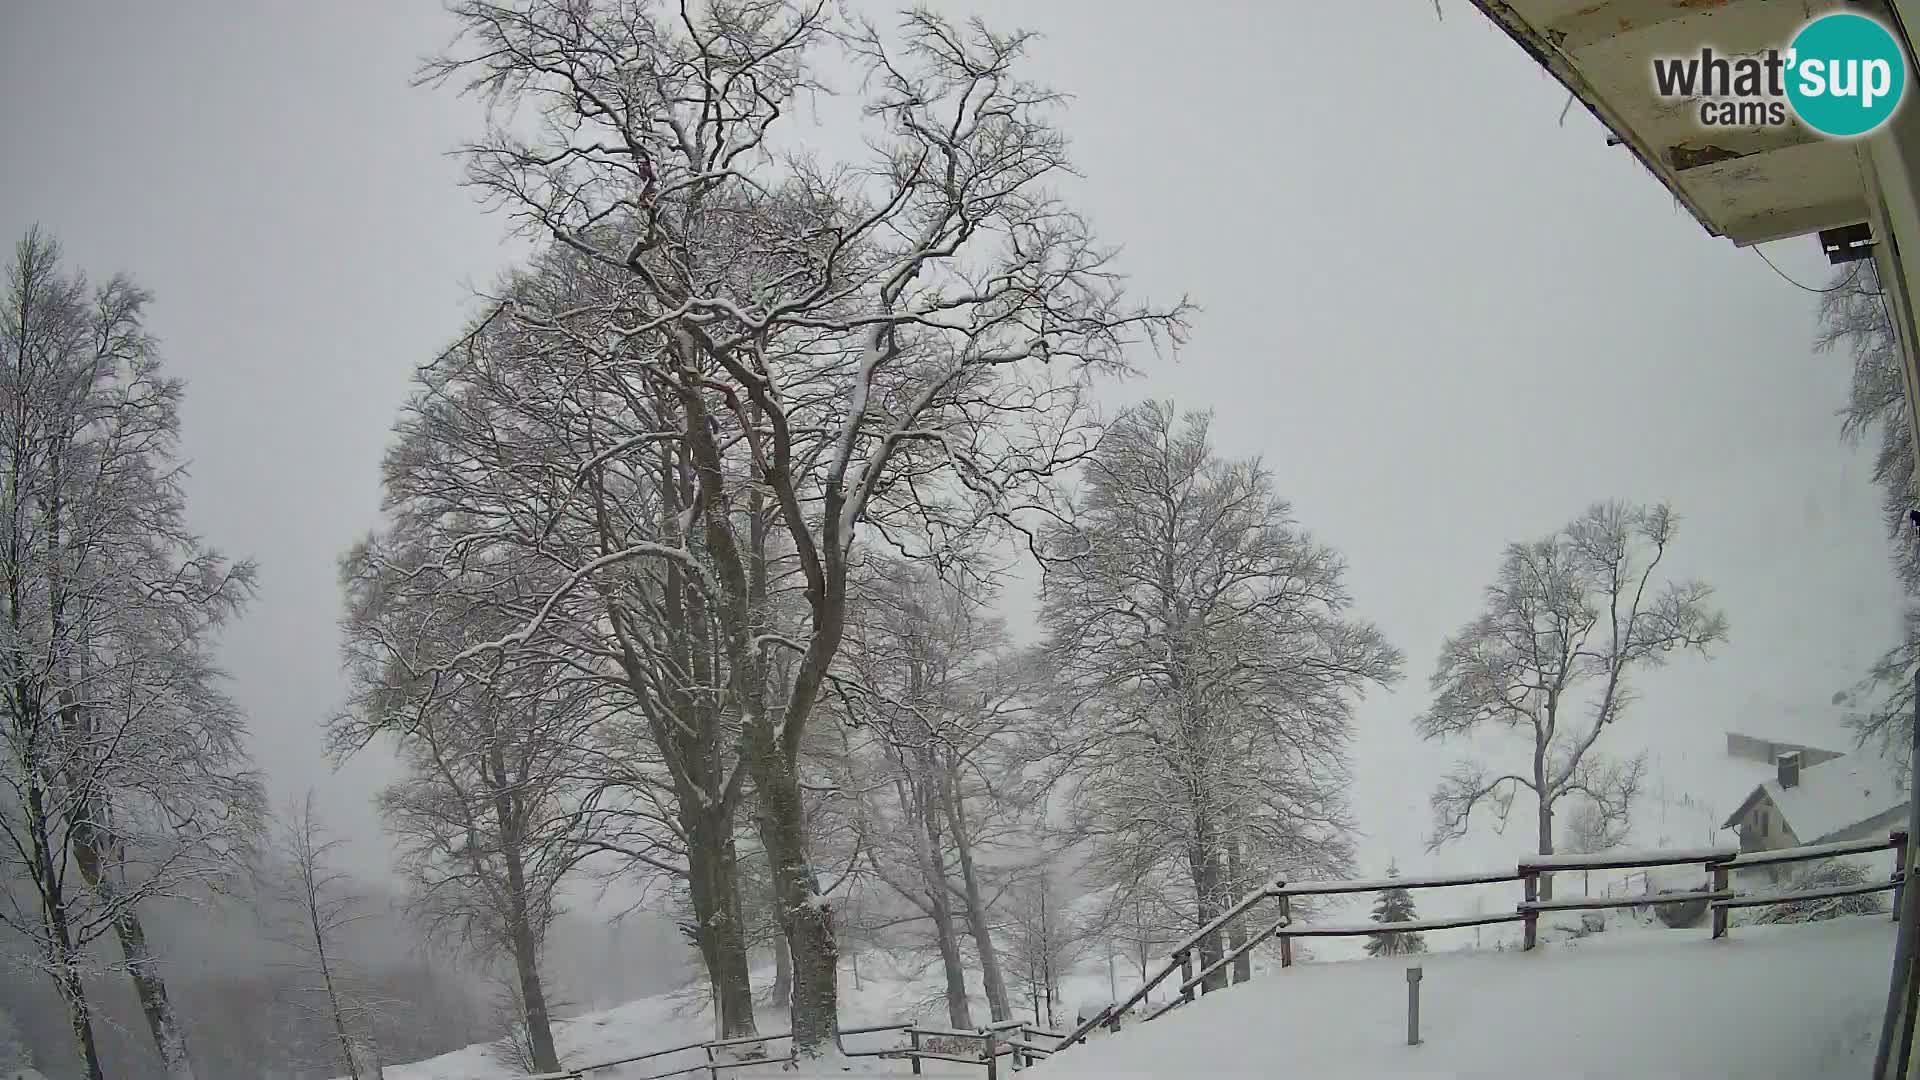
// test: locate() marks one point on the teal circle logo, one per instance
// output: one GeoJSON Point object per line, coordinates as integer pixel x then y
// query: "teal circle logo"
{"type": "Point", "coordinates": [1845, 74]}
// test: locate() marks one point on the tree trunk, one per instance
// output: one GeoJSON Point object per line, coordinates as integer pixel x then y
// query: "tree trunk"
{"type": "Point", "coordinates": [1545, 803]}
{"type": "Point", "coordinates": [926, 818]}
{"type": "Point", "coordinates": [520, 930]}
{"type": "Point", "coordinates": [805, 916]}
{"type": "Point", "coordinates": [143, 968]}
{"type": "Point", "coordinates": [783, 971]}
{"type": "Point", "coordinates": [62, 954]}
{"type": "Point", "coordinates": [526, 965]}
{"type": "Point", "coordinates": [713, 885]}
{"type": "Point", "coordinates": [1237, 933]}
{"type": "Point", "coordinates": [1204, 863]}
{"type": "Point", "coordinates": [347, 1048]}
{"type": "Point", "coordinates": [1546, 846]}
{"type": "Point", "coordinates": [958, 1011]}
{"type": "Point", "coordinates": [998, 1005]}
{"type": "Point", "coordinates": [79, 1016]}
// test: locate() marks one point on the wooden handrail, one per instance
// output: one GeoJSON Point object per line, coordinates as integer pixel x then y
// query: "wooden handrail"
{"type": "Point", "coordinates": [1780, 856]}
{"type": "Point", "coordinates": [1740, 900]}
{"type": "Point", "coordinates": [1632, 860]}
{"type": "Point", "coordinates": [1721, 860]}
{"type": "Point", "coordinates": [1246, 947]}
{"type": "Point", "coordinates": [1337, 888]}
{"type": "Point", "coordinates": [1595, 903]}
{"type": "Point", "coordinates": [1411, 927]}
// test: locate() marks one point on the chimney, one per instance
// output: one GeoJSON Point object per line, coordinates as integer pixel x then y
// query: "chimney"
{"type": "Point", "coordinates": [1790, 769]}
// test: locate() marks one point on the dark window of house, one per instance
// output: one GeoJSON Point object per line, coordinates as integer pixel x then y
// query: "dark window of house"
{"type": "Point", "coordinates": [1760, 821]}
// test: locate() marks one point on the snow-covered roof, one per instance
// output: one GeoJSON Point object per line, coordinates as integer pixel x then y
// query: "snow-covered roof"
{"type": "Point", "coordinates": [1831, 796]}
{"type": "Point", "coordinates": [1750, 186]}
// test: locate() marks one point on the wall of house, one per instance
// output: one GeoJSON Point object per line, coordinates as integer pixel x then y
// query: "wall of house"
{"type": "Point", "coordinates": [1763, 828]}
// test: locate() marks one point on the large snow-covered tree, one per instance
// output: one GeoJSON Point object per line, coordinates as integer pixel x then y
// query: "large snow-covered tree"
{"type": "Point", "coordinates": [896, 346]}
{"type": "Point", "coordinates": [1551, 658]}
{"type": "Point", "coordinates": [124, 757]}
{"type": "Point", "coordinates": [937, 702]}
{"type": "Point", "coordinates": [1207, 645]}
{"type": "Point", "coordinates": [485, 814]}
{"type": "Point", "coordinates": [517, 452]}
{"type": "Point", "coordinates": [1395, 905]}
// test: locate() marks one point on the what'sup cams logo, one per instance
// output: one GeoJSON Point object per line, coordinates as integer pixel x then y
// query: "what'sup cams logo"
{"type": "Point", "coordinates": [1842, 75]}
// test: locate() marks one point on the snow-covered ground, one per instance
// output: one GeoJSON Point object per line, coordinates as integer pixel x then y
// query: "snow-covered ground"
{"type": "Point", "coordinates": [1634, 1001]}
{"type": "Point", "coordinates": [1767, 1002]}
{"type": "Point", "coordinates": [881, 996]}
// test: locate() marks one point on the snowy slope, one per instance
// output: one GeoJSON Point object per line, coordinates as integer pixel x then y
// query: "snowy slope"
{"type": "Point", "coordinates": [1769, 1002]}
{"type": "Point", "coordinates": [1772, 1001]}
{"type": "Point", "coordinates": [882, 995]}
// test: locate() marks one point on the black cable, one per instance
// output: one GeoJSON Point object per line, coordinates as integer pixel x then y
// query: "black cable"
{"type": "Point", "coordinates": [1851, 278]}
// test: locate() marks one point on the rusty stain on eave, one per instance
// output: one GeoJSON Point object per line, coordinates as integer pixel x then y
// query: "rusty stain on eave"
{"type": "Point", "coordinates": [1683, 157]}
{"type": "Point", "coordinates": [1537, 45]}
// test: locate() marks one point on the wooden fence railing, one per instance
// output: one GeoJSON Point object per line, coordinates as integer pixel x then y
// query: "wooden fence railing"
{"type": "Point", "coordinates": [1016, 1041]}
{"type": "Point", "coordinates": [1718, 863]}
{"type": "Point", "coordinates": [1021, 1043]}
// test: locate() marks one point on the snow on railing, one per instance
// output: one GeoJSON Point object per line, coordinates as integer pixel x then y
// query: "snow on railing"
{"type": "Point", "coordinates": [1014, 1039]}
{"type": "Point", "coordinates": [1020, 1042]}
{"type": "Point", "coordinates": [1324, 888]}
{"type": "Point", "coordinates": [1719, 862]}
{"type": "Point", "coordinates": [1629, 860]}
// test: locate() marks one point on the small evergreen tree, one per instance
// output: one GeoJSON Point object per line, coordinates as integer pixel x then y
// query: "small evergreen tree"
{"type": "Point", "coordinates": [1395, 905]}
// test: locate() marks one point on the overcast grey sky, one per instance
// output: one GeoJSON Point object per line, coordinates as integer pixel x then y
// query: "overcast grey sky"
{"type": "Point", "coordinates": [1446, 320]}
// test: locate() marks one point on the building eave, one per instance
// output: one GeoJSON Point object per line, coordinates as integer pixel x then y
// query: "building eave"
{"type": "Point", "coordinates": [1749, 185]}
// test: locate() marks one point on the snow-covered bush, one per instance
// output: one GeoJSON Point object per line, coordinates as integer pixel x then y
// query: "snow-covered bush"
{"type": "Point", "coordinates": [1681, 916]}
{"type": "Point", "coordinates": [1830, 875]}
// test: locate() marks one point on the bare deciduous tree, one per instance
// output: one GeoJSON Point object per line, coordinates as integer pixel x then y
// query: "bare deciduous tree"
{"type": "Point", "coordinates": [1045, 937]}
{"type": "Point", "coordinates": [317, 907]}
{"type": "Point", "coordinates": [125, 758]}
{"type": "Point", "coordinates": [1210, 643]}
{"type": "Point", "coordinates": [1579, 611]}
{"type": "Point", "coordinates": [486, 814]}
{"type": "Point", "coordinates": [900, 341]}
{"type": "Point", "coordinates": [938, 699]}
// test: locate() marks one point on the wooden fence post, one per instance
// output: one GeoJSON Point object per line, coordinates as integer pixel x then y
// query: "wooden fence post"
{"type": "Point", "coordinates": [1898, 842]}
{"type": "Point", "coordinates": [1286, 943]}
{"type": "Point", "coordinates": [1186, 975]}
{"type": "Point", "coordinates": [1531, 921]}
{"type": "Point", "coordinates": [1413, 1006]}
{"type": "Point", "coordinates": [913, 1035]}
{"type": "Point", "coordinates": [993, 1060]}
{"type": "Point", "coordinates": [712, 1073]}
{"type": "Point", "coordinates": [1719, 910]}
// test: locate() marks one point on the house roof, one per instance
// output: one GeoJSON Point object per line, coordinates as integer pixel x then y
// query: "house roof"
{"type": "Point", "coordinates": [1830, 797]}
{"type": "Point", "coordinates": [1750, 185]}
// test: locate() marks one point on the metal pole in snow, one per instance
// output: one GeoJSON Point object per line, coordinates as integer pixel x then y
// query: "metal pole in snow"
{"type": "Point", "coordinates": [1413, 1006]}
